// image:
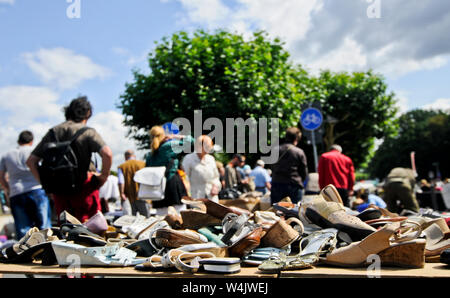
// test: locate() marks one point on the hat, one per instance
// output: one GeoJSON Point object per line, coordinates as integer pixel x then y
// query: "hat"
{"type": "Point", "coordinates": [259, 162]}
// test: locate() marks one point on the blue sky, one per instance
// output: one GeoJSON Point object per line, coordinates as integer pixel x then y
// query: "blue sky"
{"type": "Point", "coordinates": [48, 58]}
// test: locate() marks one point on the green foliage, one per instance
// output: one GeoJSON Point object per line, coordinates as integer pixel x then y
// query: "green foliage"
{"type": "Point", "coordinates": [227, 76]}
{"type": "Point", "coordinates": [221, 74]}
{"type": "Point", "coordinates": [362, 107]}
{"type": "Point", "coordinates": [425, 132]}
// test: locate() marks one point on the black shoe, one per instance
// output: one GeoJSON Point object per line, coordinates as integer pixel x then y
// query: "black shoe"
{"type": "Point", "coordinates": [445, 256]}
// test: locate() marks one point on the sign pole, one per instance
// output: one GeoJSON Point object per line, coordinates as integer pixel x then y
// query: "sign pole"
{"type": "Point", "coordinates": [311, 119]}
{"type": "Point", "coordinates": [313, 137]}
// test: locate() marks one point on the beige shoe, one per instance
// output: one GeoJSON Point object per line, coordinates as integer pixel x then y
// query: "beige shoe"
{"type": "Point", "coordinates": [388, 244]}
{"type": "Point", "coordinates": [331, 194]}
{"type": "Point", "coordinates": [326, 214]}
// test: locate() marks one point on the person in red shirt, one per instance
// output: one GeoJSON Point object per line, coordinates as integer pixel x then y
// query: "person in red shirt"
{"type": "Point", "coordinates": [337, 169]}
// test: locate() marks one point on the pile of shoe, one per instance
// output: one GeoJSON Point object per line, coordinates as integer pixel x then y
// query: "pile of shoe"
{"type": "Point", "coordinates": [223, 236]}
{"type": "Point", "coordinates": [338, 236]}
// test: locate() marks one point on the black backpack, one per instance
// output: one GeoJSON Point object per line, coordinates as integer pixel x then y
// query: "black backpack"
{"type": "Point", "coordinates": [58, 170]}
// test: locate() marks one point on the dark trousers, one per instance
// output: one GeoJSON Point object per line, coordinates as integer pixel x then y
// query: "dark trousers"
{"type": "Point", "coordinates": [344, 196]}
{"type": "Point", "coordinates": [281, 190]}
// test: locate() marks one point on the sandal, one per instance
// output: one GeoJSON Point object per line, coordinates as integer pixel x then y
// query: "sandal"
{"type": "Point", "coordinates": [312, 248]}
{"type": "Point", "coordinates": [395, 244]}
{"type": "Point", "coordinates": [110, 256]}
{"type": "Point", "coordinates": [158, 261]}
{"type": "Point", "coordinates": [81, 235]}
{"type": "Point", "coordinates": [261, 254]}
{"type": "Point", "coordinates": [34, 246]}
{"type": "Point", "coordinates": [236, 227]}
{"type": "Point", "coordinates": [189, 261]}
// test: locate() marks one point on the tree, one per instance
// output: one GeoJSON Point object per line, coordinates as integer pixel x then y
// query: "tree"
{"type": "Point", "coordinates": [361, 106]}
{"type": "Point", "coordinates": [221, 74]}
{"type": "Point", "coordinates": [425, 132]}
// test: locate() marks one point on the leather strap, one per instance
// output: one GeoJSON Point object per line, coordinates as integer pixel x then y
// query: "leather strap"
{"type": "Point", "coordinates": [189, 262]}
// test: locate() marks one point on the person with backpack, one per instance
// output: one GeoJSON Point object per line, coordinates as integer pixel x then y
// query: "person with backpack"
{"type": "Point", "coordinates": [61, 162]}
{"type": "Point", "coordinates": [29, 203]}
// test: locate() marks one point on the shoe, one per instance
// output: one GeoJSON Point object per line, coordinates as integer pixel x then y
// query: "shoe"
{"type": "Point", "coordinates": [211, 236]}
{"type": "Point", "coordinates": [282, 234]}
{"type": "Point", "coordinates": [312, 247]}
{"type": "Point", "coordinates": [109, 256]}
{"type": "Point", "coordinates": [156, 261]}
{"type": "Point", "coordinates": [245, 245]}
{"type": "Point", "coordinates": [392, 246]}
{"type": "Point", "coordinates": [139, 226]}
{"type": "Point", "coordinates": [331, 194]}
{"type": "Point", "coordinates": [260, 254]}
{"type": "Point", "coordinates": [81, 235]}
{"type": "Point", "coordinates": [66, 217]}
{"type": "Point", "coordinates": [173, 218]}
{"type": "Point", "coordinates": [286, 209]}
{"type": "Point", "coordinates": [327, 214]}
{"type": "Point", "coordinates": [369, 214]}
{"type": "Point", "coordinates": [196, 219]}
{"type": "Point", "coordinates": [170, 238]}
{"type": "Point", "coordinates": [35, 245]}
{"type": "Point", "coordinates": [124, 220]}
{"type": "Point", "coordinates": [189, 262]}
{"type": "Point", "coordinates": [143, 248]}
{"type": "Point", "coordinates": [247, 202]}
{"type": "Point", "coordinates": [220, 211]}
{"type": "Point", "coordinates": [97, 224]}
{"type": "Point", "coordinates": [380, 222]}
{"type": "Point", "coordinates": [438, 240]}
{"type": "Point", "coordinates": [149, 232]}
{"type": "Point", "coordinates": [445, 257]}
{"type": "Point", "coordinates": [266, 218]}
{"type": "Point", "coordinates": [235, 227]}
{"type": "Point", "coordinates": [217, 250]}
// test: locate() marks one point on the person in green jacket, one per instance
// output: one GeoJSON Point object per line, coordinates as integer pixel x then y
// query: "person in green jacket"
{"type": "Point", "coordinates": [166, 151]}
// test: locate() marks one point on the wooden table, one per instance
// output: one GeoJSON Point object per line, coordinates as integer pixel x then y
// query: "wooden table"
{"type": "Point", "coordinates": [431, 270]}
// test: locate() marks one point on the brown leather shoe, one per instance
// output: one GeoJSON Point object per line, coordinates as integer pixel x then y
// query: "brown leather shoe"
{"type": "Point", "coordinates": [247, 244]}
{"type": "Point", "coordinates": [281, 234]}
{"type": "Point", "coordinates": [173, 218]}
{"type": "Point", "coordinates": [220, 211]}
{"type": "Point", "coordinates": [171, 238]}
{"type": "Point", "coordinates": [195, 219]}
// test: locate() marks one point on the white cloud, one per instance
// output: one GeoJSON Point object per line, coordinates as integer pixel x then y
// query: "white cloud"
{"type": "Point", "coordinates": [438, 104]}
{"type": "Point", "coordinates": [402, 102]}
{"type": "Point", "coordinates": [26, 108]}
{"type": "Point", "coordinates": [339, 35]}
{"type": "Point", "coordinates": [132, 59]}
{"type": "Point", "coordinates": [26, 104]}
{"type": "Point", "coordinates": [213, 12]}
{"type": "Point", "coordinates": [62, 68]}
{"type": "Point", "coordinates": [37, 109]}
{"type": "Point", "coordinates": [7, 1]}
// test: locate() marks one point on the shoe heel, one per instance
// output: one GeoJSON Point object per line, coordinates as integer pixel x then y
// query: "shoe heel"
{"type": "Point", "coordinates": [408, 255]}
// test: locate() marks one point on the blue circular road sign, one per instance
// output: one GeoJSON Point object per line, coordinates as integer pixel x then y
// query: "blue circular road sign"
{"type": "Point", "coordinates": [311, 119]}
{"type": "Point", "coordinates": [171, 128]}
